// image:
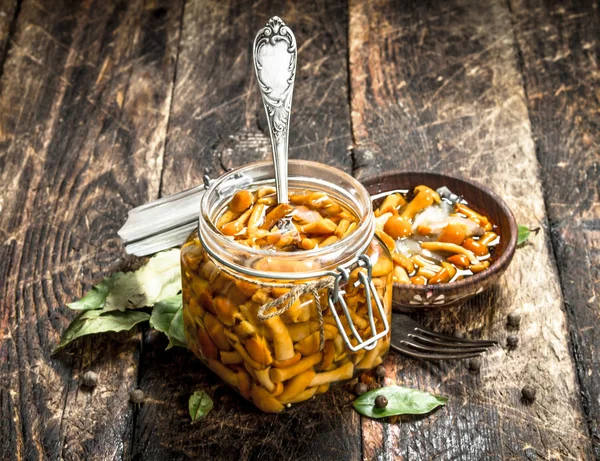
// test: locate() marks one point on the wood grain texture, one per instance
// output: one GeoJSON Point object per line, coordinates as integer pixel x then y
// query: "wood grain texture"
{"type": "Point", "coordinates": [436, 86]}
{"type": "Point", "coordinates": [559, 50]}
{"type": "Point", "coordinates": [219, 123]}
{"type": "Point", "coordinates": [322, 429]}
{"type": "Point", "coordinates": [105, 105]}
{"type": "Point", "coordinates": [9, 10]}
{"type": "Point", "coordinates": [85, 96]}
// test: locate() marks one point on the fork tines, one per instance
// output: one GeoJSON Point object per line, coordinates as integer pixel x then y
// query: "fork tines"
{"type": "Point", "coordinates": [410, 338]}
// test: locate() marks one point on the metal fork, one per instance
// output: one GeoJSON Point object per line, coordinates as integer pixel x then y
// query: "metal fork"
{"type": "Point", "coordinates": [410, 338]}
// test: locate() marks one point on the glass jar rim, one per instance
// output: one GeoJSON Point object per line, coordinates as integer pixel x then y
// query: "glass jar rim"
{"type": "Point", "coordinates": [358, 200]}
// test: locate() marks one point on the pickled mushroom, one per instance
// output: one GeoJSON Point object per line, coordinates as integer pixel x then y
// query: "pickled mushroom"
{"type": "Point", "coordinates": [435, 237]}
{"type": "Point", "coordinates": [286, 358]}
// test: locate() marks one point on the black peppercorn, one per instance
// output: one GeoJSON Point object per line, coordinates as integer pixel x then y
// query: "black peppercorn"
{"type": "Point", "coordinates": [137, 396]}
{"type": "Point", "coordinates": [360, 388]}
{"type": "Point", "coordinates": [512, 340]}
{"type": "Point", "coordinates": [513, 319]}
{"type": "Point", "coordinates": [528, 393]}
{"type": "Point", "coordinates": [381, 401]}
{"type": "Point", "coordinates": [475, 364]}
{"type": "Point", "coordinates": [380, 371]}
{"type": "Point", "coordinates": [90, 379]}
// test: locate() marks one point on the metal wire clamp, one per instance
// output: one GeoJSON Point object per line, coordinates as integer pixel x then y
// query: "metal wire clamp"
{"type": "Point", "coordinates": [336, 296]}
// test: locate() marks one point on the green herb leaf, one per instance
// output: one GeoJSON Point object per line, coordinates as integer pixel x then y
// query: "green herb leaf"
{"type": "Point", "coordinates": [159, 279]}
{"type": "Point", "coordinates": [401, 401]}
{"type": "Point", "coordinates": [200, 404]}
{"type": "Point", "coordinates": [104, 307]}
{"type": "Point", "coordinates": [522, 234]}
{"type": "Point", "coordinates": [96, 297]}
{"type": "Point", "coordinates": [167, 316]}
{"type": "Point", "coordinates": [94, 321]}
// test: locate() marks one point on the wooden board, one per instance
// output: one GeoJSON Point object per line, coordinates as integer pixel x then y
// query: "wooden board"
{"type": "Point", "coordinates": [85, 98]}
{"type": "Point", "coordinates": [8, 15]}
{"type": "Point", "coordinates": [559, 53]}
{"type": "Point", "coordinates": [438, 88]}
{"type": "Point", "coordinates": [106, 105]}
{"type": "Point", "coordinates": [217, 123]}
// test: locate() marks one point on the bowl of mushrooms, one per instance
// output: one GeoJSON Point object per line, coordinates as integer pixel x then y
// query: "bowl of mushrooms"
{"type": "Point", "coordinates": [450, 238]}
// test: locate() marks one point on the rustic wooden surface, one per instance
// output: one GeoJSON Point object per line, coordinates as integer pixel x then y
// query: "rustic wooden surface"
{"type": "Point", "coordinates": [105, 105]}
{"type": "Point", "coordinates": [559, 59]}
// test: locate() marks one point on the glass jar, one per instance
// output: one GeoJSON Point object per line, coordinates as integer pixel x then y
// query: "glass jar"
{"type": "Point", "coordinates": [328, 301]}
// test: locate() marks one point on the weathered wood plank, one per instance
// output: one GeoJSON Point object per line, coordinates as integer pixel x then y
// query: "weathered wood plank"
{"type": "Point", "coordinates": [8, 15]}
{"type": "Point", "coordinates": [437, 87]}
{"type": "Point", "coordinates": [218, 121]}
{"type": "Point", "coordinates": [216, 97]}
{"type": "Point", "coordinates": [322, 429]}
{"type": "Point", "coordinates": [559, 49]}
{"type": "Point", "coordinates": [84, 109]}
{"type": "Point", "coordinates": [85, 91]}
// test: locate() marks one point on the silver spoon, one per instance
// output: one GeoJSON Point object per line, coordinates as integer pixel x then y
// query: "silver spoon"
{"type": "Point", "coordinates": [275, 56]}
{"type": "Point", "coordinates": [167, 222]}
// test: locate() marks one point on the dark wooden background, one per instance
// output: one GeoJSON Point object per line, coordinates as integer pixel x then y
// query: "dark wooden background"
{"type": "Point", "coordinates": [105, 105]}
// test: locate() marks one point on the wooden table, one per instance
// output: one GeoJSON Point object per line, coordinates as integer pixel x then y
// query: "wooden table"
{"type": "Point", "coordinates": [106, 105]}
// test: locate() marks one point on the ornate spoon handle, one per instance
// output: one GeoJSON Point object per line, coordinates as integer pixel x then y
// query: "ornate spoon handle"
{"type": "Point", "coordinates": [275, 56]}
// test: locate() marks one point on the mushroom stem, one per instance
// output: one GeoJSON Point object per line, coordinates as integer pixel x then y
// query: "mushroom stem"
{"type": "Point", "coordinates": [215, 329]}
{"type": "Point", "coordinates": [451, 248]}
{"type": "Point", "coordinates": [226, 374]}
{"type": "Point", "coordinates": [262, 376]}
{"type": "Point", "coordinates": [265, 401]}
{"type": "Point", "coordinates": [300, 331]}
{"type": "Point", "coordinates": [370, 357]}
{"type": "Point", "coordinates": [282, 343]}
{"type": "Point", "coordinates": [307, 394]}
{"type": "Point", "coordinates": [400, 275]}
{"type": "Point", "coordinates": [341, 373]}
{"type": "Point", "coordinates": [296, 385]}
{"type": "Point", "coordinates": [255, 219]}
{"type": "Point", "coordinates": [283, 374]}
{"type": "Point", "coordinates": [231, 357]}
{"type": "Point", "coordinates": [235, 342]}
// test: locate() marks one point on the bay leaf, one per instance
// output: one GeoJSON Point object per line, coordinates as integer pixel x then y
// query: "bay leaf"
{"type": "Point", "coordinates": [167, 316]}
{"type": "Point", "coordinates": [95, 321]}
{"type": "Point", "coordinates": [401, 401]}
{"type": "Point", "coordinates": [96, 297]}
{"type": "Point", "coordinates": [199, 405]}
{"type": "Point", "coordinates": [522, 234]}
{"type": "Point", "coordinates": [158, 279]}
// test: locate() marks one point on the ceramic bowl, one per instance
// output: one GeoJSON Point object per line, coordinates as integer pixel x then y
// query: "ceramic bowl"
{"type": "Point", "coordinates": [412, 297]}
